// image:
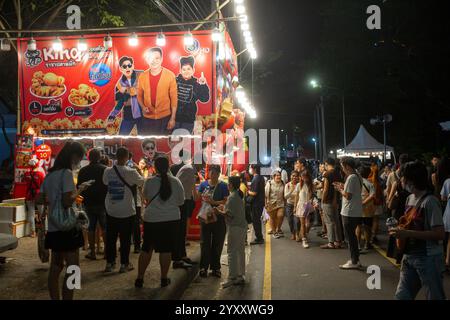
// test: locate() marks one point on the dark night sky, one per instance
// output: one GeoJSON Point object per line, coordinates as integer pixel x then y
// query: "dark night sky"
{"type": "Point", "coordinates": [297, 33]}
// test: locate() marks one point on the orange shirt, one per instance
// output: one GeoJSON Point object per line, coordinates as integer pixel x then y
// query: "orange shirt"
{"type": "Point", "coordinates": [166, 100]}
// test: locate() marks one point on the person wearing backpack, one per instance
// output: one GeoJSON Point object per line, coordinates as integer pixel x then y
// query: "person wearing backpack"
{"type": "Point", "coordinates": [63, 238]}
{"type": "Point", "coordinates": [120, 204]}
{"type": "Point", "coordinates": [419, 235]}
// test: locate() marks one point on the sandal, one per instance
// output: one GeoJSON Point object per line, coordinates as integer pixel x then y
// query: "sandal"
{"type": "Point", "coordinates": [328, 246]}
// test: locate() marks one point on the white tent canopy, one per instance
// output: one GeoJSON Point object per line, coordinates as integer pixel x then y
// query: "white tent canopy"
{"type": "Point", "coordinates": [364, 142]}
{"type": "Point", "coordinates": [365, 145]}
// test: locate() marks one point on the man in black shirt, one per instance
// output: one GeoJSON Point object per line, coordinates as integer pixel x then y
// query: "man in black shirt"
{"type": "Point", "coordinates": [257, 192]}
{"type": "Point", "coordinates": [94, 197]}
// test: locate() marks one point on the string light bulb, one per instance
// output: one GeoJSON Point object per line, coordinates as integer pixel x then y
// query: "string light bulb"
{"type": "Point", "coordinates": [31, 45]}
{"type": "Point", "coordinates": [57, 44]}
{"type": "Point", "coordinates": [82, 44]}
{"type": "Point", "coordinates": [107, 42]}
{"type": "Point", "coordinates": [161, 40]}
{"type": "Point", "coordinates": [188, 39]}
{"type": "Point", "coordinates": [133, 40]}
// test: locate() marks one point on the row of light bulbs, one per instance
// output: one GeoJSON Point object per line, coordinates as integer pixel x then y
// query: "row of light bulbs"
{"type": "Point", "coordinates": [244, 102]}
{"type": "Point", "coordinates": [245, 27]}
{"type": "Point", "coordinates": [133, 41]}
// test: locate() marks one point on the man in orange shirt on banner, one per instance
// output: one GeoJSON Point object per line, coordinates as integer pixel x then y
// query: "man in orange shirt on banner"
{"type": "Point", "coordinates": [157, 94]}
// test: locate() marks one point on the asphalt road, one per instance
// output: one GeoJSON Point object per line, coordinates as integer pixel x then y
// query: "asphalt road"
{"type": "Point", "coordinates": [283, 270]}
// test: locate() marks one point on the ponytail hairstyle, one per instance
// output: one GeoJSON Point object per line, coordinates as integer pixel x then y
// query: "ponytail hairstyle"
{"type": "Point", "coordinates": [64, 158]}
{"type": "Point", "coordinates": [235, 182]}
{"type": "Point", "coordinates": [162, 168]}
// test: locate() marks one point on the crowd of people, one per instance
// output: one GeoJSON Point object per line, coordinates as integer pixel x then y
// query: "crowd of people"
{"type": "Point", "coordinates": [349, 197]}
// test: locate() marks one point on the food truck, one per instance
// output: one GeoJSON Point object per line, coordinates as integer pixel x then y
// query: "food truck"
{"type": "Point", "coordinates": [92, 94]}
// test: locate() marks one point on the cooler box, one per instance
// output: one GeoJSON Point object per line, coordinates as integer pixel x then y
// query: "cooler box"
{"type": "Point", "coordinates": [18, 229]}
{"type": "Point", "coordinates": [12, 212]}
{"type": "Point", "coordinates": [194, 227]}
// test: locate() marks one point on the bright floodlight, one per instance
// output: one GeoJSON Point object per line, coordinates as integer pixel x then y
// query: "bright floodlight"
{"type": "Point", "coordinates": [107, 42]}
{"type": "Point", "coordinates": [314, 140]}
{"type": "Point", "coordinates": [216, 36]}
{"type": "Point", "coordinates": [314, 83]}
{"type": "Point", "coordinates": [82, 44]}
{"type": "Point", "coordinates": [253, 54]}
{"type": "Point", "coordinates": [240, 9]}
{"type": "Point", "coordinates": [239, 1]}
{"type": "Point", "coordinates": [243, 18]}
{"type": "Point", "coordinates": [31, 44]}
{"type": "Point", "coordinates": [133, 40]}
{"type": "Point", "coordinates": [188, 39]}
{"type": "Point", "coordinates": [57, 44]}
{"type": "Point", "coordinates": [161, 40]}
{"type": "Point", "coordinates": [245, 26]}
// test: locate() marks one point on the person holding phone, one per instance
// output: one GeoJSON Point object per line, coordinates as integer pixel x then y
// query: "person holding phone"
{"type": "Point", "coordinates": [352, 209]}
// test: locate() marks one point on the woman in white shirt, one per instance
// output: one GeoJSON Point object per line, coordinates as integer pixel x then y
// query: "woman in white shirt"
{"type": "Point", "coordinates": [164, 194]}
{"type": "Point", "coordinates": [303, 206]}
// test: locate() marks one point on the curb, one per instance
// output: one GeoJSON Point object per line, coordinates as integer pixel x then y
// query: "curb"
{"type": "Point", "coordinates": [181, 279]}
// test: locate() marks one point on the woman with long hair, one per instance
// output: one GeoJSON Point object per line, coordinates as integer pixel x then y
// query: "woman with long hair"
{"type": "Point", "coordinates": [303, 206]}
{"type": "Point", "coordinates": [64, 245]}
{"type": "Point", "coordinates": [164, 195]}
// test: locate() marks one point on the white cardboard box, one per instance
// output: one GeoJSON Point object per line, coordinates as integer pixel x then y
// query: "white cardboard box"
{"type": "Point", "coordinates": [18, 229]}
{"type": "Point", "coordinates": [12, 213]}
{"type": "Point", "coordinates": [17, 201]}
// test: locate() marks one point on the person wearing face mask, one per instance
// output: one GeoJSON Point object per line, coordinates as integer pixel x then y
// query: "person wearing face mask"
{"type": "Point", "coordinates": [64, 245]}
{"type": "Point", "coordinates": [419, 235]}
{"type": "Point", "coordinates": [257, 200]}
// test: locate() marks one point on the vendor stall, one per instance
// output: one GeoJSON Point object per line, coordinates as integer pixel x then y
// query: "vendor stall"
{"type": "Point", "coordinates": [96, 94]}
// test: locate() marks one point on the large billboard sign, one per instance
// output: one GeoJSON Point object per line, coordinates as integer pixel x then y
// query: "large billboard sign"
{"type": "Point", "coordinates": [101, 91]}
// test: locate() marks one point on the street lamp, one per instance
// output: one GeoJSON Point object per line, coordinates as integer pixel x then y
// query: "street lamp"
{"type": "Point", "coordinates": [387, 118]}
{"type": "Point", "coordinates": [315, 148]}
{"type": "Point", "coordinates": [315, 84]}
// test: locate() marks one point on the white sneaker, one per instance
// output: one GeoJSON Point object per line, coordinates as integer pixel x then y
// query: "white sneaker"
{"type": "Point", "coordinates": [350, 266]}
{"type": "Point", "coordinates": [305, 243]}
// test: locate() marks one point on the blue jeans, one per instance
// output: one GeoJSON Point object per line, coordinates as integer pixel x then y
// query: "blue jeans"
{"type": "Point", "coordinates": [421, 271]}
{"type": "Point", "coordinates": [185, 125]}
{"type": "Point", "coordinates": [127, 126]}
{"type": "Point", "coordinates": [289, 213]}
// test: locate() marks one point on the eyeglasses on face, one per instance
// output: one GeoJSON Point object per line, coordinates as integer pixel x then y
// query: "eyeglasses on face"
{"type": "Point", "coordinates": [127, 66]}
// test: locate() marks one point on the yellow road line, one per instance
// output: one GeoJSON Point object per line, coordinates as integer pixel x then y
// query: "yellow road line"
{"type": "Point", "coordinates": [267, 287]}
{"type": "Point", "coordinates": [383, 253]}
